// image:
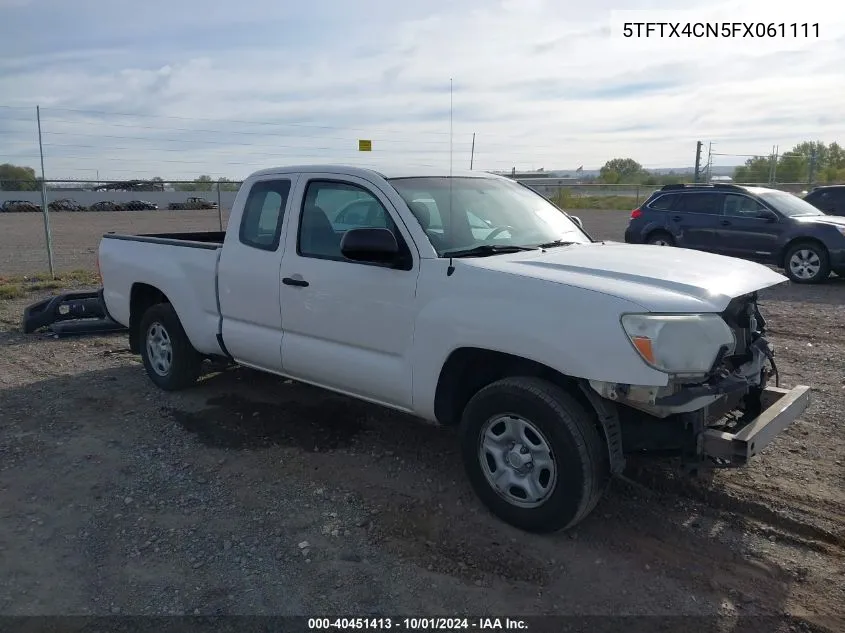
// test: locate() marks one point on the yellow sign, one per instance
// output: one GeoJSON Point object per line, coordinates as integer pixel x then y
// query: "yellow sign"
{"type": "Point", "coordinates": [365, 146]}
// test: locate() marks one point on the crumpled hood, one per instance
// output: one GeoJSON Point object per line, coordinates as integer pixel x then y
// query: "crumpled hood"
{"type": "Point", "coordinates": [658, 278]}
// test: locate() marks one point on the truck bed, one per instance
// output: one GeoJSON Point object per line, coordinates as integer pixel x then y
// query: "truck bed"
{"type": "Point", "coordinates": [182, 266]}
{"type": "Point", "coordinates": [192, 239]}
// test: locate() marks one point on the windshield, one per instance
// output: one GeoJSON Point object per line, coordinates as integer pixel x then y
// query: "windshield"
{"type": "Point", "coordinates": [462, 213]}
{"type": "Point", "coordinates": [789, 204]}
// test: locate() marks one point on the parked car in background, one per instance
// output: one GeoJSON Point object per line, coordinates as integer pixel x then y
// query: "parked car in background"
{"type": "Point", "coordinates": [105, 205]}
{"type": "Point", "coordinates": [140, 205]}
{"type": "Point", "coordinates": [757, 223]}
{"type": "Point", "coordinates": [19, 206]}
{"type": "Point", "coordinates": [65, 204]}
{"type": "Point", "coordinates": [828, 198]}
{"type": "Point", "coordinates": [192, 204]}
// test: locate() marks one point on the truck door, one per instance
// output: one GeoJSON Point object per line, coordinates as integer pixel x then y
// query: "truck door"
{"type": "Point", "coordinates": [347, 325]}
{"type": "Point", "coordinates": [248, 274]}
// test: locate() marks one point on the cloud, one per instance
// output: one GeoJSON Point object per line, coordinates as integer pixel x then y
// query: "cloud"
{"type": "Point", "coordinates": [539, 83]}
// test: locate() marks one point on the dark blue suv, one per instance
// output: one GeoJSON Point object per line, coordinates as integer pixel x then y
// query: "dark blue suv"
{"type": "Point", "coordinates": [765, 225]}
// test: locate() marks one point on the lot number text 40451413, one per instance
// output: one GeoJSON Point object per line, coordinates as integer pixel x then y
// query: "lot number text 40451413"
{"type": "Point", "coordinates": [417, 624]}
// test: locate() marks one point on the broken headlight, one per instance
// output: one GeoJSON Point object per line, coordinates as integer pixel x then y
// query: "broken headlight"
{"type": "Point", "coordinates": [679, 344]}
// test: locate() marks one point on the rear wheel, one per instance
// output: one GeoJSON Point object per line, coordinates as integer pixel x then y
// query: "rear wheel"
{"type": "Point", "coordinates": [171, 361]}
{"type": "Point", "coordinates": [660, 238]}
{"type": "Point", "coordinates": [533, 454]}
{"type": "Point", "coordinates": [807, 263]}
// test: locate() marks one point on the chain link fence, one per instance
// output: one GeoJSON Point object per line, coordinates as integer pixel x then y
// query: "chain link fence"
{"type": "Point", "coordinates": [81, 212]}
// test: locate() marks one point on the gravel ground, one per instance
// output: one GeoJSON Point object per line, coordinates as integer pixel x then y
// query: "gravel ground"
{"type": "Point", "coordinates": [253, 495]}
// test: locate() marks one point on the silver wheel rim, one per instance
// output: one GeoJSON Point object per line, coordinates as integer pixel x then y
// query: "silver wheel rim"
{"type": "Point", "coordinates": [805, 264]}
{"type": "Point", "coordinates": [517, 460]}
{"type": "Point", "coordinates": [159, 349]}
{"type": "Point", "coordinates": [660, 242]}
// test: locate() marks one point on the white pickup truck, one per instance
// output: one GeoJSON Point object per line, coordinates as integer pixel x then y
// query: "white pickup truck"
{"type": "Point", "coordinates": [467, 299]}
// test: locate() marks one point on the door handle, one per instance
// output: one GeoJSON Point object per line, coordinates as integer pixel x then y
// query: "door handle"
{"type": "Point", "coordinates": [676, 218]}
{"type": "Point", "coordinates": [725, 222]}
{"type": "Point", "coordinates": [290, 281]}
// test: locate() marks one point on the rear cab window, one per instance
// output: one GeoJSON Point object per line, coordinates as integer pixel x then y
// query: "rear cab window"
{"type": "Point", "coordinates": [261, 222]}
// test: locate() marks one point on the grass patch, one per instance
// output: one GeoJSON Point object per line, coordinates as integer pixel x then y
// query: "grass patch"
{"type": "Point", "coordinates": [567, 200]}
{"type": "Point", "coordinates": [21, 286]}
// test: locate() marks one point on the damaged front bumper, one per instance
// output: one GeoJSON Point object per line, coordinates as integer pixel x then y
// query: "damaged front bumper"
{"type": "Point", "coordinates": [70, 313]}
{"type": "Point", "coordinates": [780, 408]}
{"type": "Point", "coordinates": [723, 418]}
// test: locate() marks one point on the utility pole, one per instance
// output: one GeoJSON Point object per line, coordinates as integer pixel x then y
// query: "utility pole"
{"type": "Point", "coordinates": [472, 152]}
{"type": "Point", "coordinates": [697, 161]}
{"type": "Point", "coordinates": [709, 160]}
{"type": "Point", "coordinates": [812, 165]}
{"type": "Point", "coordinates": [47, 235]}
{"type": "Point", "coordinates": [775, 165]}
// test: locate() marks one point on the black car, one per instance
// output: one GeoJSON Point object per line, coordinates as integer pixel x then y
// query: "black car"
{"type": "Point", "coordinates": [105, 205]}
{"type": "Point", "coordinates": [829, 198]}
{"type": "Point", "coordinates": [20, 206]}
{"type": "Point", "coordinates": [140, 205]}
{"type": "Point", "coordinates": [756, 223]}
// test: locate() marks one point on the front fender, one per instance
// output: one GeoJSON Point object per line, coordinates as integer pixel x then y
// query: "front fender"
{"type": "Point", "coordinates": [575, 332]}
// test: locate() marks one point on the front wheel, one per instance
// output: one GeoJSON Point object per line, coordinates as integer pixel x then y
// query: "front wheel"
{"type": "Point", "coordinates": [533, 454]}
{"type": "Point", "coordinates": [807, 263]}
{"type": "Point", "coordinates": [171, 361]}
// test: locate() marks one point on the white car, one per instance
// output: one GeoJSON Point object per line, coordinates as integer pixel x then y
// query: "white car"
{"type": "Point", "coordinates": [468, 300]}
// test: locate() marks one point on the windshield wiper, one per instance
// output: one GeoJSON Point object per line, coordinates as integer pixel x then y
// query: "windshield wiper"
{"type": "Point", "coordinates": [555, 243]}
{"type": "Point", "coordinates": [488, 249]}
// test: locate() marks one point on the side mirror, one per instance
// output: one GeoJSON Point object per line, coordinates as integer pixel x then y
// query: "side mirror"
{"type": "Point", "coordinates": [768, 216]}
{"type": "Point", "coordinates": [577, 221]}
{"type": "Point", "coordinates": [370, 245]}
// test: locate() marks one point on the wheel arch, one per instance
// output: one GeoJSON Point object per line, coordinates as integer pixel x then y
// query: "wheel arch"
{"type": "Point", "coordinates": [142, 296]}
{"type": "Point", "coordinates": [781, 260]}
{"type": "Point", "coordinates": [658, 230]}
{"type": "Point", "coordinates": [467, 370]}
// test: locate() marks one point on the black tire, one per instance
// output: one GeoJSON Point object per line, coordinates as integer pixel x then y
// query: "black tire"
{"type": "Point", "coordinates": [185, 362]}
{"type": "Point", "coordinates": [660, 238]}
{"type": "Point", "coordinates": [578, 452]}
{"type": "Point", "coordinates": [817, 263]}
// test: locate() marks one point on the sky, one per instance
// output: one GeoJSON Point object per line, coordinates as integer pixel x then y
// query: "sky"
{"type": "Point", "coordinates": [181, 88]}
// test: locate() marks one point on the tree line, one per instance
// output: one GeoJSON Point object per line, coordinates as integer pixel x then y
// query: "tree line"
{"type": "Point", "coordinates": [811, 162]}
{"type": "Point", "coordinates": [20, 178]}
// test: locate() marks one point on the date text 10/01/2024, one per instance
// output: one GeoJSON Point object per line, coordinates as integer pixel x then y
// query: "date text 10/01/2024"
{"type": "Point", "coordinates": [417, 624]}
{"type": "Point", "coordinates": [796, 30]}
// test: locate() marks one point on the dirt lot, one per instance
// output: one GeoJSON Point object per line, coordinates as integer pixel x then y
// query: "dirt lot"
{"type": "Point", "coordinates": [254, 495]}
{"type": "Point", "coordinates": [76, 235]}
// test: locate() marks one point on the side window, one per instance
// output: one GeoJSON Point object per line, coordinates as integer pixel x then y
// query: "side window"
{"type": "Point", "coordinates": [332, 208]}
{"type": "Point", "coordinates": [664, 202]}
{"type": "Point", "coordinates": [699, 203]}
{"type": "Point", "coordinates": [261, 224]}
{"type": "Point", "coordinates": [742, 206]}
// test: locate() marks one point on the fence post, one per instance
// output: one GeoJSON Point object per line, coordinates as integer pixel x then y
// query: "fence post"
{"type": "Point", "coordinates": [44, 207]}
{"type": "Point", "coordinates": [219, 208]}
